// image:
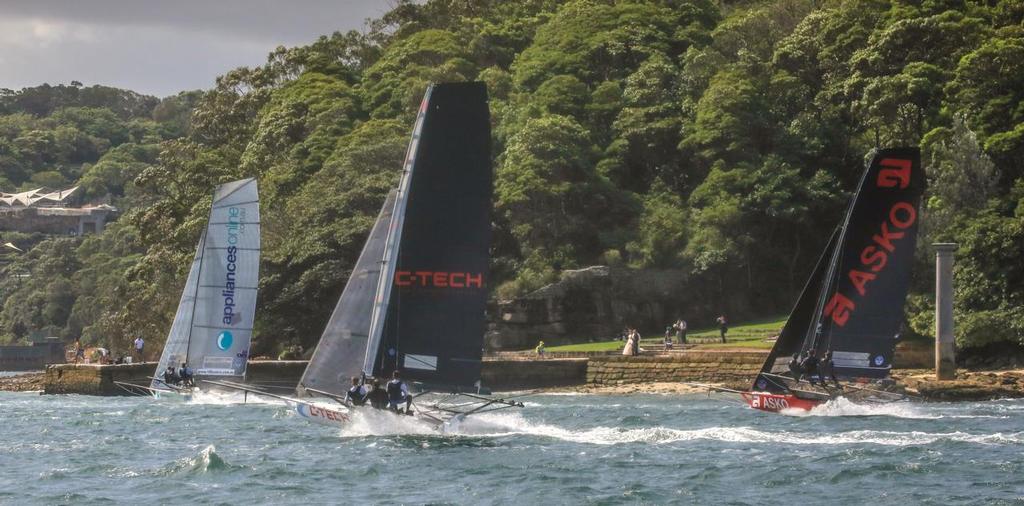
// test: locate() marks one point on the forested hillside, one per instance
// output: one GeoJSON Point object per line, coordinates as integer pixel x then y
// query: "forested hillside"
{"type": "Point", "coordinates": [717, 138]}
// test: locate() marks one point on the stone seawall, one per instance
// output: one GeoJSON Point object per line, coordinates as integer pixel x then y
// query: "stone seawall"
{"type": "Point", "coordinates": [525, 374]}
{"type": "Point", "coordinates": [95, 379]}
{"type": "Point", "coordinates": [283, 375]}
{"type": "Point", "coordinates": [718, 367]}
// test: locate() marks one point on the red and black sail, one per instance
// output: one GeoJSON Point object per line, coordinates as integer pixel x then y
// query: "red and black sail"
{"type": "Point", "coordinates": [861, 290]}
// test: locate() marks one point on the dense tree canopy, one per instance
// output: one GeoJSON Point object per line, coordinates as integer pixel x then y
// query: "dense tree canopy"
{"type": "Point", "coordinates": [717, 138]}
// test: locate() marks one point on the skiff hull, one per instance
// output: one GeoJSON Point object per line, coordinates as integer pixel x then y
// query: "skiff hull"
{"type": "Point", "coordinates": [323, 414]}
{"type": "Point", "coordinates": [774, 403]}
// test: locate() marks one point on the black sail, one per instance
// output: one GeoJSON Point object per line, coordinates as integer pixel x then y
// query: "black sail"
{"type": "Point", "coordinates": [340, 352]}
{"type": "Point", "coordinates": [791, 339]}
{"type": "Point", "coordinates": [434, 324]}
{"type": "Point", "coordinates": [861, 307]}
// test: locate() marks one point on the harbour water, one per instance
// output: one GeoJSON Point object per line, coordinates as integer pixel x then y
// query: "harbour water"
{"type": "Point", "coordinates": [559, 449]}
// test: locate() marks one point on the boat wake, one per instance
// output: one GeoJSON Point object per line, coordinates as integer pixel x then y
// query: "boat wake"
{"type": "Point", "coordinates": [844, 407]}
{"type": "Point", "coordinates": [501, 425]}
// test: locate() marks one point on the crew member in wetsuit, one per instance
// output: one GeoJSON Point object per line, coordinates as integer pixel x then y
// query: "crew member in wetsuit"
{"type": "Point", "coordinates": [794, 367]}
{"type": "Point", "coordinates": [826, 369]}
{"type": "Point", "coordinates": [185, 373]}
{"type": "Point", "coordinates": [809, 365]}
{"type": "Point", "coordinates": [170, 377]}
{"type": "Point", "coordinates": [398, 394]}
{"type": "Point", "coordinates": [378, 397]}
{"type": "Point", "coordinates": [356, 395]}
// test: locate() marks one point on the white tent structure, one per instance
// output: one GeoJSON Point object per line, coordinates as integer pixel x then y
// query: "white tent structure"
{"type": "Point", "coordinates": [35, 197]}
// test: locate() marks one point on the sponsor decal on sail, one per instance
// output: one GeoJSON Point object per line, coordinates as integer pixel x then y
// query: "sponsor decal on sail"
{"type": "Point", "coordinates": [874, 257]}
{"type": "Point", "coordinates": [439, 279]}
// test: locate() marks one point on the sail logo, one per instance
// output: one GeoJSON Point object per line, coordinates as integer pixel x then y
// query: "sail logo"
{"type": "Point", "coordinates": [234, 227]}
{"type": "Point", "coordinates": [874, 257]}
{"type": "Point", "coordinates": [439, 279]}
{"type": "Point", "coordinates": [224, 340]}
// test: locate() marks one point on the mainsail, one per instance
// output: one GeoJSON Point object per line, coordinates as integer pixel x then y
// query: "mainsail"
{"type": "Point", "coordinates": [341, 350]}
{"type": "Point", "coordinates": [213, 326]}
{"type": "Point", "coordinates": [859, 295]}
{"type": "Point", "coordinates": [428, 318]}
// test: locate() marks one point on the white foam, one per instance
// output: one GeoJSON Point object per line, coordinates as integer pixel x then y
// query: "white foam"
{"type": "Point", "coordinates": [496, 425]}
{"type": "Point", "coordinates": [844, 407]}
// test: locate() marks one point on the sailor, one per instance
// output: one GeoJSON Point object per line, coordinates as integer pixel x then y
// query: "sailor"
{"type": "Point", "coordinates": [826, 368]}
{"type": "Point", "coordinates": [185, 373]}
{"type": "Point", "coordinates": [378, 397]}
{"type": "Point", "coordinates": [356, 394]}
{"type": "Point", "coordinates": [398, 394]}
{"type": "Point", "coordinates": [794, 367]}
{"type": "Point", "coordinates": [170, 377]}
{"type": "Point", "coordinates": [809, 366]}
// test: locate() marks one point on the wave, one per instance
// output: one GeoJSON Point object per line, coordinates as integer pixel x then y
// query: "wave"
{"type": "Point", "coordinates": [206, 461]}
{"type": "Point", "coordinates": [498, 425]}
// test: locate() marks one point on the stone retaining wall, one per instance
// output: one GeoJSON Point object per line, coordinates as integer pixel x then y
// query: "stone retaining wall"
{"type": "Point", "coordinates": [95, 379]}
{"type": "Point", "coordinates": [283, 375]}
{"type": "Point", "coordinates": [717, 367]}
{"type": "Point", "coordinates": [525, 374]}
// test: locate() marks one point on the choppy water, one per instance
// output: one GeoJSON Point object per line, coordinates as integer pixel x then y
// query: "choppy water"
{"type": "Point", "coordinates": [560, 449]}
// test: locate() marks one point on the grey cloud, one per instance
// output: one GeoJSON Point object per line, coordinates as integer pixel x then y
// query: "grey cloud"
{"type": "Point", "coordinates": [158, 47]}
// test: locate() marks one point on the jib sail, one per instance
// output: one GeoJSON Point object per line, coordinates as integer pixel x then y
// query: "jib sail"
{"type": "Point", "coordinates": [429, 321]}
{"type": "Point", "coordinates": [791, 339]}
{"type": "Point", "coordinates": [342, 348]}
{"type": "Point", "coordinates": [860, 284]}
{"type": "Point", "coordinates": [176, 346]}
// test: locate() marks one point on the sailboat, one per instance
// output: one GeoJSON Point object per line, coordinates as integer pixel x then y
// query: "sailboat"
{"type": "Point", "coordinates": [416, 299]}
{"type": "Point", "coordinates": [852, 304]}
{"type": "Point", "coordinates": [212, 328]}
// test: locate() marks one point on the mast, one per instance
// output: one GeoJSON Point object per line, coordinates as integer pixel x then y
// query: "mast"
{"type": "Point", "coordinates": [202, 254]}
{"type": "Point", "coordinates": [342, 348]}
{"type": "Point", "coordinates": [814, 333]}
{"type": "Point", "coordinates": [390, 259]}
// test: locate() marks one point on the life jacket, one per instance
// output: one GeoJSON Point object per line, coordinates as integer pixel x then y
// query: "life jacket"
{"type": "Point", "coordinates": [395, 391]}
{"type": "Point", "coordinates": [355, 394]}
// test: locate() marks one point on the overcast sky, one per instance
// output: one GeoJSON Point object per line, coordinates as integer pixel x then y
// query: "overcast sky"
{"type": "Point", "coordinates": [159, 47]}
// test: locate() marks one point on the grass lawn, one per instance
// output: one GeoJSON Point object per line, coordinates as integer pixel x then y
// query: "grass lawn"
{"type": "Point", "coordinates": [749, 334]}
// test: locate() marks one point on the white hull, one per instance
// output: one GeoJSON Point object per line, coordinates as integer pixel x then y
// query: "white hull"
{"type": "Point", "coordinates": [335, 415]}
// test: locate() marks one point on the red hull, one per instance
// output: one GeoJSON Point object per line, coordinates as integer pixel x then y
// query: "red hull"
{"type": "Point", "coordinates": [777, 402]}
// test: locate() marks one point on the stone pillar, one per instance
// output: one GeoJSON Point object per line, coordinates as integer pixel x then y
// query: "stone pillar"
{"type": "Point", "coordinates": [945, 360]}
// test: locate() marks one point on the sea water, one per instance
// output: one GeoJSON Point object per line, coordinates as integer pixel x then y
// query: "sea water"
{"type": "Point", "coordinates": [559, 449]}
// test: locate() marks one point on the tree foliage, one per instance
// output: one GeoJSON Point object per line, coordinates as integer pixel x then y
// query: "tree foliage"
{"type": "Point", "coordinates": [721, 139]}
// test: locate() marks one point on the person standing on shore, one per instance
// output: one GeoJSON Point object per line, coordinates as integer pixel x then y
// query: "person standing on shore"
{"type": "Point", "coordinates": [723, 326]}
{"type": "Point", "coordinates": [139, 344]}
{"type": "Point", "coordinates": [680, 326]}
{"type": "Point", "coordinates": [540, 349]}
{"type": "Point", "coordinates": [79, 351]}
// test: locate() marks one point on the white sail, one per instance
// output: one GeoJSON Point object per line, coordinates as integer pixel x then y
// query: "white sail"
{"type": "Point", "coordinates": [225, 305]}
{"type": "Point", "coordinates": [176, 346]}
